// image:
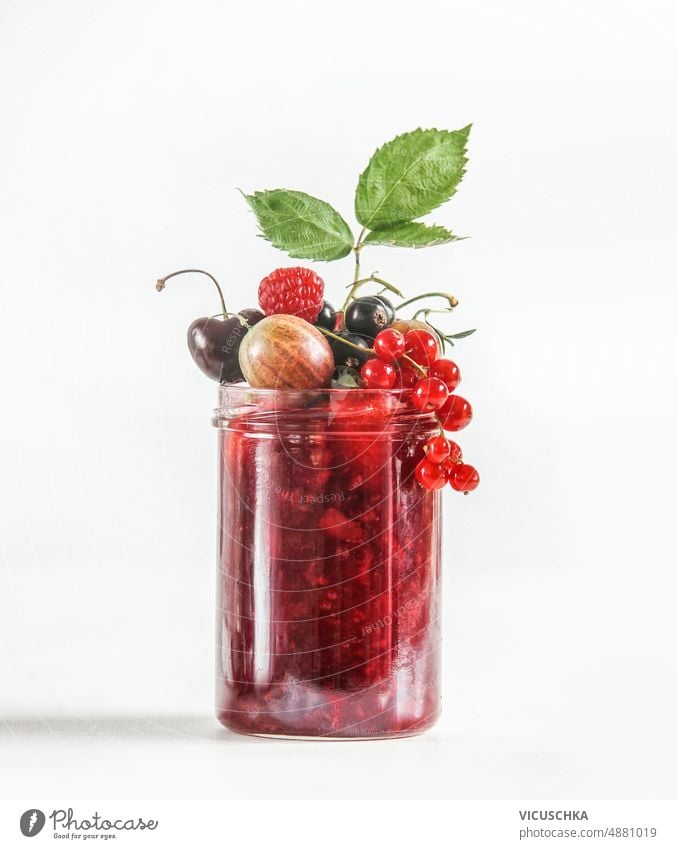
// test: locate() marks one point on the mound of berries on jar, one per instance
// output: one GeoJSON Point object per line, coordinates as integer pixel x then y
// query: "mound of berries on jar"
{"type": "Point", "coordinates": [379, 339]}
{"type": "Point", "coordinates": [335, 416]}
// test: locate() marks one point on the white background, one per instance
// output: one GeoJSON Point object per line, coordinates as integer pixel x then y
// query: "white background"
{"type": "Point", "coordinates": [126, 128]}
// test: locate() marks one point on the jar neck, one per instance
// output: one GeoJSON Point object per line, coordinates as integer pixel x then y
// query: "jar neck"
{"type": "Point", "coordinates": [287, 411]}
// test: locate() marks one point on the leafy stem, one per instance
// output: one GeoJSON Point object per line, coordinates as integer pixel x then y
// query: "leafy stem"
{"type": "Point", "coordinates": [356, 277]}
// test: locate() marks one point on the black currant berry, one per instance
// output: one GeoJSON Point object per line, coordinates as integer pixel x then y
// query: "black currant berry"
{"type": "Point", "coordinates": [390, 309]}
{"type": "Point", "coordinates": [327, 316]}
{"type": "Point", "coordinates": [369, 315]}
{"type": "Point", "coordinates": [347, 355]}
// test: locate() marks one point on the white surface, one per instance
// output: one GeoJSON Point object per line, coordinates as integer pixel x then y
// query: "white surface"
{"type": "Point", "coordinates": [126, 128]}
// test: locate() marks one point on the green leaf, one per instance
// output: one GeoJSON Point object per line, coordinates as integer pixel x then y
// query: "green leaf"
{"type": "Point", "coordinates": [460, 335]}
{"type": "Point", "coordinates": [412, 234]}
{"type": "Point", "coordinates": [345, 378]}
{"type": "Point", "coordinates": [410, 176]}
{"type": "Point", "coordinates": [303, 226]}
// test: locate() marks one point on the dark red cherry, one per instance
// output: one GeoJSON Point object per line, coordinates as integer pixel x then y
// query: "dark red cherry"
{"type": "Point", "coordinates": [214, 344]}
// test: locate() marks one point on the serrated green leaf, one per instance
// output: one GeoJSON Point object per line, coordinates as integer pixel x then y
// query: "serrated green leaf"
{"type": "Point", "coordinates": [411, 234]}
{"type": "Point", "coordinates": [303, 226]}
{"type": "Point", "coordinates": [410, 176]}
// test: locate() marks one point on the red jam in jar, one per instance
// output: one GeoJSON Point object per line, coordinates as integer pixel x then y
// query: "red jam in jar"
{"type": "Point", "coordinates": [329, 565]}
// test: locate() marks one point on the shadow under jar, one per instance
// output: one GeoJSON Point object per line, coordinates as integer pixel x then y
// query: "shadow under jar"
{"type": "Point", "coordinates": [329, 565]}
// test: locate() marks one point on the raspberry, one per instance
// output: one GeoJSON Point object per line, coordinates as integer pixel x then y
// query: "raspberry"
{"type": "Point", "coordinates": [292, 291]}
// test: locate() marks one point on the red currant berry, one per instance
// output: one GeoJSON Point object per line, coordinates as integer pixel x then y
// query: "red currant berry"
{"type": "Point", "coordinates": [407, 377]}
{"type": "Point", "coordinates": [456, 413]}
{"type": "Point", "coordinates": [377, 374]}
{"type": "Point", "coordinates": [389, 345]}
{"type": "Point", "coordinates": [464, 478]}
{"type": "Point", "coordinates": [431, 475]}
{"type": "Point", "coordinates": [421, 346]}
{"type": "Point", "coordinates": [446, 371]}
{"type": "Point", "coordinates": [455, 454]}
{"type": "Point", "coordinates": [429, 394]}
{"type": "Point", "coordinates": [437, 449]}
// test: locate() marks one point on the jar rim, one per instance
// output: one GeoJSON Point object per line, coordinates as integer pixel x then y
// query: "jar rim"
{"type": "Point", "coordinates": [285, 390]}
{"type": "Point", "coordinates": [299, 406]}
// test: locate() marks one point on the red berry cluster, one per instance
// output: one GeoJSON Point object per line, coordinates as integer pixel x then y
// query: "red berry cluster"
{"type": "Point", "coordinates": [292, 291]}
{"type": "Point", "coordinates": [411, 361]}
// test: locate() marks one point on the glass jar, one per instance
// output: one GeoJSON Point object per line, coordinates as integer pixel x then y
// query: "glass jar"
{"type": "Point", "coordinates": [329, 565]}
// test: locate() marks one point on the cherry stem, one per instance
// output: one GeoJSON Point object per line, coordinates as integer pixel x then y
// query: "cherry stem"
{"type": "Point", "coordinates": [453, 301]}
{"type": "Point", "coordinates": [160, 285]}
{"type": "Point", "coordinates": [243, 321]}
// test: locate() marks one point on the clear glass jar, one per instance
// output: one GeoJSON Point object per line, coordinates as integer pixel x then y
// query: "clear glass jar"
{"type": "Point", "coordinates": [329, 565]}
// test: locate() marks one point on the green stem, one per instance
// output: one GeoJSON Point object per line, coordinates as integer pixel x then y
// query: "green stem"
{"type": "Point", "coordinates": [345, 341]}
{"type": "Point", "coordinates": [413, 363]}
{"type": "Point", "coordinates": [426, 311]}
{"type": "Point", "coordinates": [453, 301]}
{"type": "Point", "coordinates": [388, 286]}
{"type": "Point", "coordinates": [160, 285]}
{"type": "Point", "coordinates": [356, 276]}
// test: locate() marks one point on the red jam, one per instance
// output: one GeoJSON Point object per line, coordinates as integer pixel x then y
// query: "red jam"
{"type": "Point", "coordinates": [329, 558]}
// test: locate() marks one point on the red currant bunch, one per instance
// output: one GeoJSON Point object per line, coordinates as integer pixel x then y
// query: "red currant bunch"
{"type": "Point", "coordinates": [411, 361]}
{"type": "Point", "coordinates": [443, 463]}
